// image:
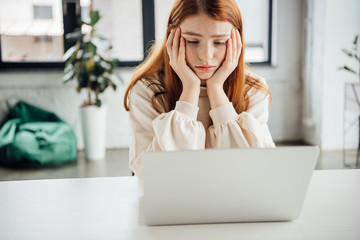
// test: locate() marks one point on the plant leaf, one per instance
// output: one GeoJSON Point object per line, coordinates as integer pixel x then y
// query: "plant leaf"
{"type": "Point", "coordinates": [98, 102]}
{"type": "Point", "coordinates": [83, 80]}
{"type": "Point", "coordinates": [356, 39]}
{"type": "Point", "coordinates": [79, 54]}
{"type": "Point", "coordinates": [68, 68]}
{"type": "Point", "coordinates": [112, 84]}
{"type": "Point", "coordinates": [77, 35]}
{"type": "Point", "coordinates": [347, 52]}
{"type": "Point", "coordinates": [90, 61]}
{"type": "Point", "coordinates": [95, 17]}
{"type": "Point", "coordinates": [87, 55]}
{"type": "Point", "coordinates": [357, 57]}
{"type": "Point", "coordinates": [101, 43]}
{"type": "Point", "coordinates": [104, 65]}
{"type": "Point", "coordinates": [70, 75]}
{"type": "Point", "coordinates": [68, 53]}
{"type": "Point", "coordinates": [347, 69]}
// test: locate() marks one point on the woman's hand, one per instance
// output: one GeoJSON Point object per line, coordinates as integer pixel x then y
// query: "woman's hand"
{"type": "Point", "coordinates": [175, 46]}
{"type": "Point", "coordinates": [233, 51]}
{"type": "Point", "coordinates": [215, 84]}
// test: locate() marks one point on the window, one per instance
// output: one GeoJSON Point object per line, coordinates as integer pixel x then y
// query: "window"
{"type": "Point", "coordinates": [32, 35]}
{"type": "Point", "coordinates": [257, 21]}
{"type": "Point", "coordinates": [256, 15]}
{"type": "Point", "coordinates": [43, 12]}
{"type": "Point", "coordinates": [122, 23]}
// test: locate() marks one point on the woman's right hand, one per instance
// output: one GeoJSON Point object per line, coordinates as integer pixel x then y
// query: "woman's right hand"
{"type": "Point", "coordinates": [175, 46]}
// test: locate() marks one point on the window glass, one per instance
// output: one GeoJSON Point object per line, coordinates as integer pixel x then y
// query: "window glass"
{"type": "Point", "coordinates": [255, 16]}
{"type": "Point", "coordinates": [121, 22]}
{"type": "Point", "coordinates": [31, 31]}
{"type": "Point", "coordinates": [162, 11]}
{"type": "Point", "coordinates": [43, 12]}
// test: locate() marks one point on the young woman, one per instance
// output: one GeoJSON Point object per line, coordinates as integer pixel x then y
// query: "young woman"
{"type": "Point", "coordinates": [194, 90]}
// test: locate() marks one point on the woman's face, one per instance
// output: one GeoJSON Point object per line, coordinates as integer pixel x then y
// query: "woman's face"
{"type": "Point", "coordinates": [205, 40]}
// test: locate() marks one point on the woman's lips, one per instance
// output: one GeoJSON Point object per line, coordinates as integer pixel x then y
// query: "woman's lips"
{"type": "Point", "coordinates": [205, 67]}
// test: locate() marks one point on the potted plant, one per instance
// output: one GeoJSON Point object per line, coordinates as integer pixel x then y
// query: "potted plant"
{"type": "Point", "coordinates": [89, 63]}
{"type": "Point", "coordinates": [354, 53]}
{"type": "Point", "coordinates": [352, 89]}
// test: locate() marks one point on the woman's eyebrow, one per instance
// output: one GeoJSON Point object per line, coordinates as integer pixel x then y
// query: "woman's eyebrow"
{"type": "Point", "coordinates": [199, 35]}
{"type": "Point", "coordinates": [220, 35]}
{"type": "Point", "coordinates": [192, 34]}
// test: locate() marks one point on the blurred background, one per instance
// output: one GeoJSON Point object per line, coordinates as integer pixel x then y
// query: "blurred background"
{"type": "Point", "coordinates": [295, 44]}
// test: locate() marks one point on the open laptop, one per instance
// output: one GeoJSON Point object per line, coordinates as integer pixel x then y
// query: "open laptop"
{"type": "Point", "coordinates": [226, 185]}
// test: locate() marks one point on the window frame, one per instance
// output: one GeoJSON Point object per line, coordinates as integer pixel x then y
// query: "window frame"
{"type": "Point", "coordinates": [71, 12]}
{"type": "Point", "coordinates": [269, 62]}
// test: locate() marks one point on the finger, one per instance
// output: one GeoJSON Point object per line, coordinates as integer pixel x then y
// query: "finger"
{"type": "Point", "coordinates": [229, 49]}
{"type": "Point", "coordinates": [170, 39]}
{"type": "Point", "coordinates": [239, 43]}
{"type": "Point", "coordinates": [175, 46]}
{"type": "Point", "coordinates": [182, 49]}
{"type": "Point", "coordinates": [169, 42]}
{"type": "Point", "coordinates": [234, 44]}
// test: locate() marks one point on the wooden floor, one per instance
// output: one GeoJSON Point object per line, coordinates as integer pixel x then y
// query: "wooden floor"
{"type": "Point", "coordinates": [116, 164]}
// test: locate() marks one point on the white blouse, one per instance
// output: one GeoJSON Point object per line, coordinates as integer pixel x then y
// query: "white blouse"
{"type": "Point", "coordinates": [194, 127]}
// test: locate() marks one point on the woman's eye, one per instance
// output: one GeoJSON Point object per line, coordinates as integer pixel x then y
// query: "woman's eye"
{"type": "Point", "coordinates": [219, 43]}
{"type": "Point", "coordinates": [192, 42]}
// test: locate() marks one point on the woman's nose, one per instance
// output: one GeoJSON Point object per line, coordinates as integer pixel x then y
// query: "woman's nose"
{"type": "Point", "coordinates": [206, 52]}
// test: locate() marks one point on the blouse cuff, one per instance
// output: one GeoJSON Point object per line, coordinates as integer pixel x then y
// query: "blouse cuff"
{"type": "Point", "coordinates": [187, 109]}
{"type": "Point", "coordinates": [223, 114]}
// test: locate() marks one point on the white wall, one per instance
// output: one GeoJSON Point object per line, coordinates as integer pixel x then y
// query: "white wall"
{"type": "Point", "coordinates": [285, 78]}
{"type": "Point", "coordinates": [313, 70]}
{"type": "Point", "coordinates": [339, 33]}
{"type": "Point", "coordinates": [46, 90]}
{"type": "Point", "coordinates": [333, 25]}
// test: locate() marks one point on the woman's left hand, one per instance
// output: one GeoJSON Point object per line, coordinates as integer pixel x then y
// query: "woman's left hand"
{"type": "Point", "coordinates": [233, 51]}
{"type": "Point", "coordinates": [215, 84]}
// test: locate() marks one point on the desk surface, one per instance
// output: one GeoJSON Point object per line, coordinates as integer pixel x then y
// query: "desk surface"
{"type": "Point", "coordinates": [109, 208]}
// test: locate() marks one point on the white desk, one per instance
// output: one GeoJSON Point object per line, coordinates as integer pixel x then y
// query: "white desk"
{"type": "Point", "coordinates": [108, 208]}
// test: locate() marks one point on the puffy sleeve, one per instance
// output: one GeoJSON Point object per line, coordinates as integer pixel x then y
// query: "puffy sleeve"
{"type": "Point", "coordinates": [152, 131]}
{"type": "Point", "coordinates": [247, 129]}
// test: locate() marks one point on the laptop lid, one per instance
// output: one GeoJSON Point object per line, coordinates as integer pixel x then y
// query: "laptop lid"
{"type": "Point", "coordinates": [226, 185]}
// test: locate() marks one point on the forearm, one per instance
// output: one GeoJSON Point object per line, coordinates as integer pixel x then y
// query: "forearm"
{"type": "Point", "coordinates": [217, 96]}
{"type": "Point", "coordinates": [190, 95]}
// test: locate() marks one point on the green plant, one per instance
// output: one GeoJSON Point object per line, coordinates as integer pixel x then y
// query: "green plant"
{"type": "Point", "coordinates": [89, 61]}
{"type": "Point", "coordinates": [353, 53]}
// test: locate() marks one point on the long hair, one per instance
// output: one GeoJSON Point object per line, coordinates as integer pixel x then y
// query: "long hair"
{"type": "Point", "coordinates": [170, 86]}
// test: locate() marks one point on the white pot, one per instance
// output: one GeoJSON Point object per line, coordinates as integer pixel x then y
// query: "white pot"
{"type": "Point", "coordinates": [94, 127]}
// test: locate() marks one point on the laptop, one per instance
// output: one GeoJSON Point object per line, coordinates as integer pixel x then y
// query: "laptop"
{"type": "Point", "coordinates": [226, 185]}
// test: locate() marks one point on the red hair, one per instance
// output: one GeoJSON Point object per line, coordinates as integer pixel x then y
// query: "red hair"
{"type": "Point", "coordinates": [170, 85]}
